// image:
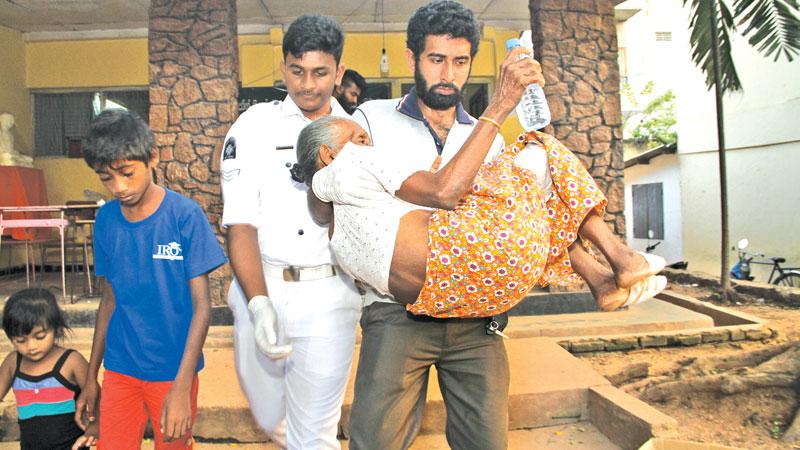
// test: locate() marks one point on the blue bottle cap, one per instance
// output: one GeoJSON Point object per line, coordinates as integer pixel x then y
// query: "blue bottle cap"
{"type": "Point", "coordinates": [511, 43]}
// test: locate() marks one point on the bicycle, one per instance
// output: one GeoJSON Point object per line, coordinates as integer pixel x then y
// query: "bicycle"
{"type": "Point", "coordinates": [783, 276]}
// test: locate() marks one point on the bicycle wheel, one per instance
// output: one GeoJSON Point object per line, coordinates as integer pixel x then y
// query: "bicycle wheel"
{"type": "Point", "coordinates": [791, 279]}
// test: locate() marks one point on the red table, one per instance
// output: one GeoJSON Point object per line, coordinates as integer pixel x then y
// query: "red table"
{"type": "Point", "coordinates": [26, 217]}
{"type": "Point", "coordinates": [23, 186]}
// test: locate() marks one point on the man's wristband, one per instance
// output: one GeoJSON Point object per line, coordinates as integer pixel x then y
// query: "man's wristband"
{"type": "Point", "coordinates": [489, 120]}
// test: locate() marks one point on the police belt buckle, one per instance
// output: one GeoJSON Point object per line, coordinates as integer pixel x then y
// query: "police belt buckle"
{"type": "Point", "coordinates": [291, 273]}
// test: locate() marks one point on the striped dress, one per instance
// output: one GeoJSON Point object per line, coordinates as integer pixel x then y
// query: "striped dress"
{"type": "Point", "coordinates": [46, 408]}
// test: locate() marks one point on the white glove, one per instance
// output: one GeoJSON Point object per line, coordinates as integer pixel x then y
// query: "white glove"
{"type": "Point", "coordinates": [265, 324]}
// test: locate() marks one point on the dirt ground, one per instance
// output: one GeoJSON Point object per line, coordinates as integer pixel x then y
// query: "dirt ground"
{"type": "Point", "coordinates": [752, 420]}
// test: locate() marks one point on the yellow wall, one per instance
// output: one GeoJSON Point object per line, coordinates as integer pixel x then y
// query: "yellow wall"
{"type": "Point", "coordinates": [15, 99]}
{"type": "Point", "coordinates": [259, 59]}
{"type": "Point", "coordinates": [117, 63]}
{"type": "Point", "coordinates": [87, 64]}
{"type": "Point", "coordinates": [110, 63]}
{"type": "Point", "coordinates": [66, 179]}
{"type": "Point", "coordinates": [14, 96]}
{"type": "Point", "coordinates": [105, 63]}
{"type": "Point", "coordinates": [90, 64]}
{"type": "Point", "coordinates": [260, 56]}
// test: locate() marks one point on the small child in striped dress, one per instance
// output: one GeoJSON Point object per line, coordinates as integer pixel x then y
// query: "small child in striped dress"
{"type": "Point", "coordinates": [45, 376]}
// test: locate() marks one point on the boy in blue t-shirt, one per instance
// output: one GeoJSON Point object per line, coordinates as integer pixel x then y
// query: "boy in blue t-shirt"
{"type": "Point", "coordinates": [154, 249]}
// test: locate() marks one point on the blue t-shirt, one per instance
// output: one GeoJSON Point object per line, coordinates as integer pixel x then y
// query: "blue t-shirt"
{"type": "Point", "coordinates": [149, 264]}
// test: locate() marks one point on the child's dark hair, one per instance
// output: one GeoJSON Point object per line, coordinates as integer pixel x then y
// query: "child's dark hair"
{"type": "Point", "coordinates": [29, 308]}
{"type": "Point", "coordinates": [118, 135]}
{"type": "Point", "coordinates": [312, 32]}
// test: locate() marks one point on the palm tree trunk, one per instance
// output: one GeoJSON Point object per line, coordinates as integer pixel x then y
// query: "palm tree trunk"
{"type": "Point", "coordinates": [725, 278]}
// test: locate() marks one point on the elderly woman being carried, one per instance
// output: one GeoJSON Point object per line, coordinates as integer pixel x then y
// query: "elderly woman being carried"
{"type": "Point", "coordinates": [468, 239]}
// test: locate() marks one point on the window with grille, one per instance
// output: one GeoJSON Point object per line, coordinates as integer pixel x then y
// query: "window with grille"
{"type": "Point", "coordinates": [61, 121]}
{"type": "Point", "coordinates": [376, 90]}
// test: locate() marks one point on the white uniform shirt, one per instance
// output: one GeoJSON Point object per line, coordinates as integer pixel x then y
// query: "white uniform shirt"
{"type": "Point", "coordinates": [365, 223]}
{"type": "Point", "coordinates": [399, 125]}
{"type": "Point", "coordinates": [258, 190]}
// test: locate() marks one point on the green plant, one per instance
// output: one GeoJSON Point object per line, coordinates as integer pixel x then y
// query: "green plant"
{"type": "Point", "coordinates": [656, 122]}
{"type": "Point", "coordinates": [658, 125]}
{"type": "Point", "coordinates": [776, 430]}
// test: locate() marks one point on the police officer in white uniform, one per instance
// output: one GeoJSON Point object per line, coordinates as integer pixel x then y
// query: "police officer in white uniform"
{"type": "Point", "coordinates": [294, 312]}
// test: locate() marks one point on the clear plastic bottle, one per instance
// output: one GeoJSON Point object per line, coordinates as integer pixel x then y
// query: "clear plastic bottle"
{"type": "Point", "coordinates": [532, 111]}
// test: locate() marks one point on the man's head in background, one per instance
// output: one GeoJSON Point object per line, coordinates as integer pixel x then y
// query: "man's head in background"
{"type": "Point", "coordinates": [350, 90]}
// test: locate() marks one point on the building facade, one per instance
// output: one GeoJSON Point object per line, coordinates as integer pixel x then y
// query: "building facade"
{"type": "Point", "coordinates": [762, 140]}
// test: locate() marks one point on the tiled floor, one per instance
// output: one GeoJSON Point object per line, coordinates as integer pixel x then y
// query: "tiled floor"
{"type": "Point", "coordinates": [76, 284]}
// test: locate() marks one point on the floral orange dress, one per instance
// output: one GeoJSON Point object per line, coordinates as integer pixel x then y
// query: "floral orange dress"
{"type": "Point", "coordinates": [505, 238]}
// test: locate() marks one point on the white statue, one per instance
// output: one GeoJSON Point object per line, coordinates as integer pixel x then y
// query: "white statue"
{"type": "Point", "coordinates": [9, 156]}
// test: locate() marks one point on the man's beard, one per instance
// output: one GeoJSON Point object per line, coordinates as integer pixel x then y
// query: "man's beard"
{"type": "Point", "coordinates": [432, 99]}
{"type": "Point", "coordinates": [349, 108]}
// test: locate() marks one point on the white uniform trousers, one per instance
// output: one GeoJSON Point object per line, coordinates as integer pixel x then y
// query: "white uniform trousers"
{"type": "Point", "coordinates": [297, 400]}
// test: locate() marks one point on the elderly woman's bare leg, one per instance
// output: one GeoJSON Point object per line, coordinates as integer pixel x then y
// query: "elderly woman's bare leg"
{"type": "Point", "coordinates": [599, 278]}
{"type": "Point", "coordinates": [602, 283]}
{"type": "Point", "coordinates": [628, 265]}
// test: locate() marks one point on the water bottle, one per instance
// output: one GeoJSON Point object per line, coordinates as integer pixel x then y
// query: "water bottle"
{"type": "Point", "coordinates": [532, 111]}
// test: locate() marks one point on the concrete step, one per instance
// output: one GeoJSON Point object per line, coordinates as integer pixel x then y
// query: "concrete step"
{"type": "Point", "coordinates": [81, 313]}
{"type": "Point", "coordinates": [81, 339]}
{"type": "Point", "coordinates": [549, 388]}
{"type": "Point", "coordinates": [578, 436]}
{"type": "Point", "coordinates": [650, 317]}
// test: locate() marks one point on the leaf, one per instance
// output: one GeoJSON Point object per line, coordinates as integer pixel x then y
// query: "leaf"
{"type": "Point", "coordinates": [703, 27]}
{"type": "Point", "coordinates": [774, 26]}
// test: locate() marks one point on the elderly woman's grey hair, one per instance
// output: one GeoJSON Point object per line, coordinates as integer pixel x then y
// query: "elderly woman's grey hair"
{"type": "Point", "coordinates": [319, 132]}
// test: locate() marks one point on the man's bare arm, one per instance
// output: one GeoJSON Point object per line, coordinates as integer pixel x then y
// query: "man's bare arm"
{"type": "Point", "coordinates": [87, 402]}
{"type": "Point", "coordinates": [176, 411]}
{"type": "Point", "coordinates": [245, 259]}
{"type": "Point", "coordinates": [321, 212]}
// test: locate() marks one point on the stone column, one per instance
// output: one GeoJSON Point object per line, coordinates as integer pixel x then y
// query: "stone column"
{"type": "Point", "coordinates": [194, 78]}
{"type": "Point", "coordinates": [576, 42]}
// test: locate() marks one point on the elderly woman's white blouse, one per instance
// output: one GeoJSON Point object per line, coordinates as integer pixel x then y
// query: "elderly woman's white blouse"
{"type": "Point", "coordinates": [361, 183]}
